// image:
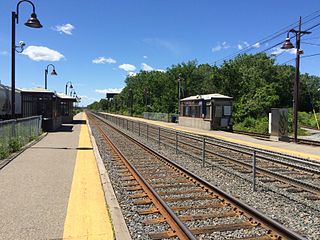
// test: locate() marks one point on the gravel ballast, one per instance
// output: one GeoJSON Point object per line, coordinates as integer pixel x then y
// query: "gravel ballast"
{"type": "Point", "coordinates": [280, 206]}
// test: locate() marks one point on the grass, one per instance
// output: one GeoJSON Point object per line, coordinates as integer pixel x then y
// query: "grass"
{"type": "Point", "coordinates": [9, 144]}
{"type": "Point", "coordinates": [260, 125]}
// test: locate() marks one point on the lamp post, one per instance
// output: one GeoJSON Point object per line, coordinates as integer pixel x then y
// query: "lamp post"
{"type": "Point", "coordinates": [54, 73]}
{"type": "Point", "coordinates": [179, 93]}
{"type": "Point", "coordinates": [69, 86]}
{"type": "Point", "coordinates": [131, 101]}
{"type": "Point", "coordinates": [32, 22]}
{"type": "Point", "coordinates": [288, 45]}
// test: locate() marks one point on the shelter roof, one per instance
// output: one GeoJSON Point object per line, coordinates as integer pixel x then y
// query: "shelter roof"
{"type": "Point", "coordinates": [206, 97]}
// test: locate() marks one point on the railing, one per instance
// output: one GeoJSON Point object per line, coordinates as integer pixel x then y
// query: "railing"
{"type": "Point", "coordinates": [204, 144]}
{"type": "Point", "coordinates": [17, 133]}
{"type": "Point", "coordinates": [164, 117]}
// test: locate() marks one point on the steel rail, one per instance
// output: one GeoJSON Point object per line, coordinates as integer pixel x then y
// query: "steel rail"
{"type": "Point", "coordinates": [178, 227]}
{"type": "Point", "coordinates": [277, 229]}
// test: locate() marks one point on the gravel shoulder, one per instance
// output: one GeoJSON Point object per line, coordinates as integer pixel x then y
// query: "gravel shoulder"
{"type": "Point", "coordinates": [277, 205]}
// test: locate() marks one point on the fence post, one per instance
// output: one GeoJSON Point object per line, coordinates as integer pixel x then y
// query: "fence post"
{"type": "Point", "coordinates": [30, 128]}
{"type": "Point", "coordinates": [254, 171]}
{"type": "Point", "coordinates": [127, 124]}
{"type": "Point", "coordinates": [40, 124]}
{"type": "Point", "coordinates": [159, 137]}
{"type": "Point", "coordinates": [176, 142]}
{"type": "Point", "coordinates": [13, 126]}
{"type": "Point", "coordinates": [203, 152]}
{"type": "Point", "coordinates": [132, 127]}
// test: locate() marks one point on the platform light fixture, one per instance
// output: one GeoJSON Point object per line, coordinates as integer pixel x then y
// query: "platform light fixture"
{"type": "Point", "coordinates": [288, 45]}
{"type": "Point", "coordinates": [32, 22]}
{"type": "Point", "coordinates": [54, 73]}
{"type": "Point", "coordinates": [70, 87]}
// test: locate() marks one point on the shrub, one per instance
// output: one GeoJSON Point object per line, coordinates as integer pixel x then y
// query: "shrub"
{"type": "Point", "coordinates": [14, 145]}
{"type": "Point", "coordinates": [4, 153]}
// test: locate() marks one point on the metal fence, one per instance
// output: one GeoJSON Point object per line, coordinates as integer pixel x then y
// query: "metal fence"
{"type": "Point", "coordinates": [164, 117]}
{"type": "Point", "coordinates": [23, 130]}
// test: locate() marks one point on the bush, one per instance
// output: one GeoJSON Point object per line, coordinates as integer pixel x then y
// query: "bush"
{"type": "Point", "coordinates": [249, 124]}
{"type": "Point", "coordinates": [14, 145]}
{"type": "Point", "coordinates": [4, 153]}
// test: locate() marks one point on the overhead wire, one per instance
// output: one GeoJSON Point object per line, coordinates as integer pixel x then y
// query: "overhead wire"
{"type": "Point", "coordinates": [274, 36]}
{"type": "Point", "coordinates": [306, 56]}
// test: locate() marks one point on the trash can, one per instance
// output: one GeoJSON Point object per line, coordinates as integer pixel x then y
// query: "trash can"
{"type": "Point", "coordinates": [173, 119]}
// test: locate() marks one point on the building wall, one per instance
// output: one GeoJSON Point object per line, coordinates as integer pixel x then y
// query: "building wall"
{"type": "Point", "coordinates": [195, 123]}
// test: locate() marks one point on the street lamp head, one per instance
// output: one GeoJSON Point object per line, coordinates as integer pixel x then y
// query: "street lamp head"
{"type": "Point", "coordinates": [71, 86]}
{"type": "Point", "coordinates": [54, 72]}
{"type": "Point", "coordinates": [33, 21]}
{"type": "Point", "coordinates": [287, 44]}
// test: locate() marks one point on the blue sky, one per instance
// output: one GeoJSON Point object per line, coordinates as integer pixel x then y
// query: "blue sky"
{"type": "Point", "coordinates": [96, 44]}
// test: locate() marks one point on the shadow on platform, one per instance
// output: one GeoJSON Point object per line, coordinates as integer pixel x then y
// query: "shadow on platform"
{"type": "Point", "coordinates": [65, 128]}
{"type": "Point", "coordinates": [64, 148]}
{"type": "Point", "coordinates": [79, 122]}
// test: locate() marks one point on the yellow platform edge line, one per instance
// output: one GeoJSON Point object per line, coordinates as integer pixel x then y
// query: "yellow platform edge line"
{"type": "Point", "coordinates": [255, 145]}
{"type": "Point", "coordinates": [87, 214]}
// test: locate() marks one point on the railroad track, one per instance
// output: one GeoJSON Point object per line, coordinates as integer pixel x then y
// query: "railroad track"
{"type": "Point", "coordinates": [175, 196]}
{"type": "Point", "coordinates": [295, 176]}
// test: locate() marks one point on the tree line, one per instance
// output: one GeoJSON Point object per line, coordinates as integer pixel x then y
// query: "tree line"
{"type": "Point", "coordinates": [255, 82]}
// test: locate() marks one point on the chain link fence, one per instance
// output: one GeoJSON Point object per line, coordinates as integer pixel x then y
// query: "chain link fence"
{"type": "Point", "coordinates": [164, 117]}
{"type": "Point", "coordinates": [17, 133]}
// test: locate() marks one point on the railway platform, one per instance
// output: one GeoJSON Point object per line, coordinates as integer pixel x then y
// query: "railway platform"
{"type": "Point", "coordinates": [59, 189]}
{"type": "Point", "coordinates": [292, 149]}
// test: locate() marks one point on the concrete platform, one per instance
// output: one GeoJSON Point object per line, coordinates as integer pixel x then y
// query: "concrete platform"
{"type": "Point", "coordinates": [53, 190]}
{"type": "Point", "coordinates": [298, 150]}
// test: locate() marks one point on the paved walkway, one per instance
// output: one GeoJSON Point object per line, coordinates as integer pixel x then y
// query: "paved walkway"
{"type": "Point", "coordinates": [53, 190]}
{"type": "Point", "coordinates": [299, 150]}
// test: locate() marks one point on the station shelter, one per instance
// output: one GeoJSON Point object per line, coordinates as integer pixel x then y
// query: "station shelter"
{"type": "Point", "coordinates": [207, 112]}
{"type": "Point", "coordinates": [54, 108]}
{"type": "Point", "coordinates": [67, 106]}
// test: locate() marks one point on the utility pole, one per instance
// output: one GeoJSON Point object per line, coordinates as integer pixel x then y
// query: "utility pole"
{"type": "Point", "coordinates": [288, 45]}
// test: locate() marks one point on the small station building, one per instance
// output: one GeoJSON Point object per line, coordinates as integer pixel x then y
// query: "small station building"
{"type": "Point", "coordinates": [207, 112]}
{"type": "Point", "coordinates": [54, 108]}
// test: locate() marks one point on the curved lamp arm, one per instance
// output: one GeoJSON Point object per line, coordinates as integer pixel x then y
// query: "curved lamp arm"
{"type": "Point", "coordinates": [17, 11]}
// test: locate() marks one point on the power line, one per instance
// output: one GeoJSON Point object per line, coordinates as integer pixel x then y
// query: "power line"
{"type": "Point", "coordinates": [273, 36]}
{"type": "Point", "coordinates": [306, 56]}
{"type": "Point", "coordinates": [314, 44]}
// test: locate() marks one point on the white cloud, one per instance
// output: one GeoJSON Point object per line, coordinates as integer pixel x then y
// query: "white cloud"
{"type": "Point", "coordinates": [225, 45]}
{"type": "Point", "coordinates": [103, 60]}
{"type": "Point", "coordinates": [146, 67]}
{"type": "Point", "coordinates": [278, 50]}
{"type": "Point", "coordinates": [127, 67]}
{"type": "Point", "coordinates": [108, 90]}
{"type": "Point", "coordinates": [246, 44]}
{"type": "Point", "coordinates": [160, 70]}
{"type": "Point", "coordinates": [40, 53]}
{"type": "Point", "coordinates": [216, 48]}
{"type": "Point", "coordinates": [88, 98]}
{"type": "Point", "coordinates": [219, 47]}
{"type": "Point", "coordinates": [132, 74]}
{"type": "Point", "coordinates": [66, 28]}
{"type": "Point", "coordinates": [145, 57]}
{"type": "Point", "coordinates": [256, 45]}
{"type": "Point", "coordinates": [240, 47]}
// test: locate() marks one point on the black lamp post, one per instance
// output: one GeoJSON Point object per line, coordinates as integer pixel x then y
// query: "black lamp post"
{"type": "Point", "coordinates": [69, 87]}
{"type": "Point", "coordinates": [179, 92]}
{"type": "Point", "coordinates": [54, 73]}
{"type": "Point", "coordinates": [32, 22]}
{"type": "Point", "coordinates": [131, 101]}
{"type": "Point", "coordinates": [288, 45]}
